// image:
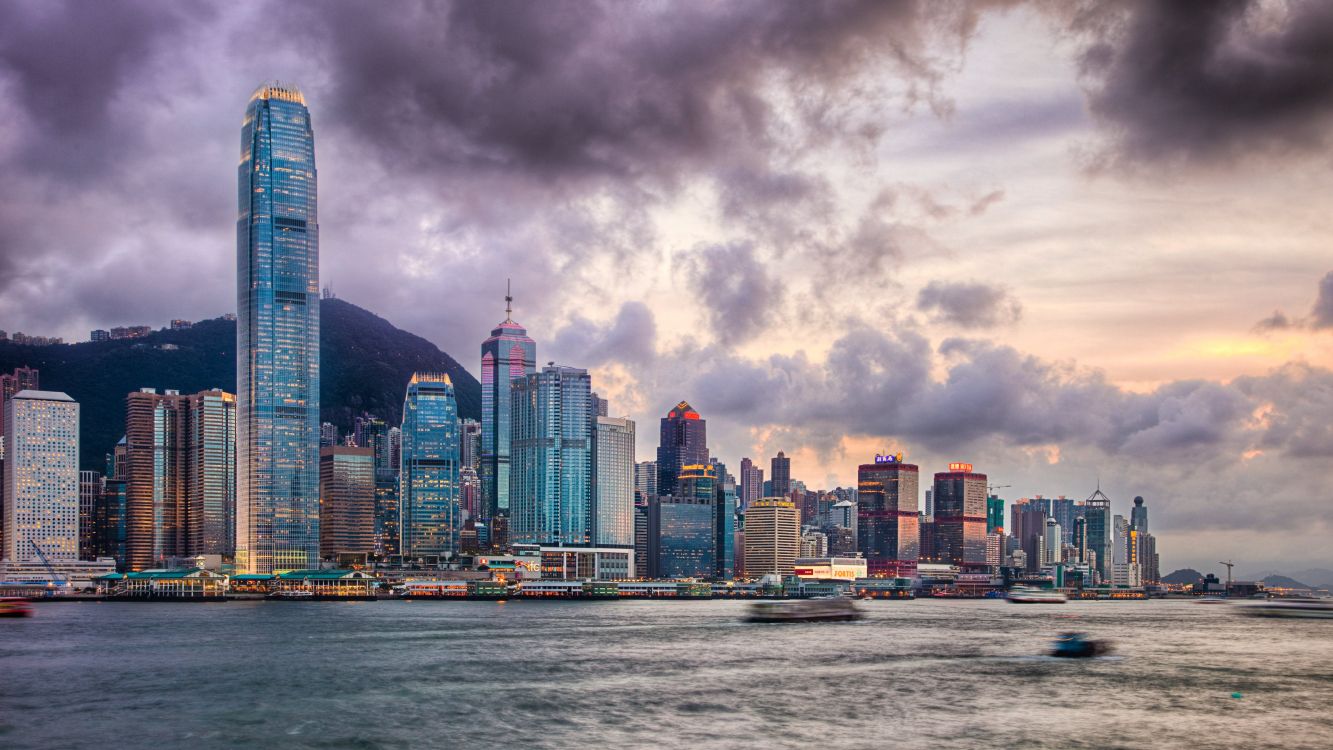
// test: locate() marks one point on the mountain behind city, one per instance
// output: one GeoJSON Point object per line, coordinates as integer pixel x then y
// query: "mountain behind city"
{"type": "Point", "coordinates": [365, 363]}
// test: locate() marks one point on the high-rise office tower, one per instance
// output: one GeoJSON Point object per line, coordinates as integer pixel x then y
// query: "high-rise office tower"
{"type": "Point", "coordinates": [347, 502]}
{"type": "Point", "coordinates": [22, 379]}
{"type": "Point", "coordinates": [179, 467]}
{"type": "Point", "coordinates": [469, 437]}
{"type": "Point", "coordinates": [156, 476]}
{"type": "Point", "coordinates": [110, 522]}
{"type": "Point", "coordinates": [645, 483]}
{"type": "Point", "coordinates": [1054, 543]}
{"type": "Point", "coordinates": [328, 434]}
{"type": "Point", "coordinates": [1138, 515]}
{"type": "Point", "coordinates": [960, 516]}
{"type": "Point", "coordinates": [277, 336]}
{"type": "Point", "coordinates": [550, 470]}
{"type": "Point", "coordinates": [1028, 528]}
{"type": "Point", "coordinates": [210, 505]}
{"type": "Point", "coordinates": [90, 490]}
{"type": "Point", "coordinates": [600, 407]}
{"type": "Point", "coordinates": [929, 508]}
{"type": "Point", "coordinates": [752, 483]}
{"type": "Point", "coordinates": [888, 521]}
{"type": "Point", "coordinates": [683, 442]}
{"type": "Point", "coordinates": [772, 537]}
{"type": "Point", "coordinates": [680, 535]}
{"type": "Point", "coordinates": [429, 513]}
{"type": "Point", "coordinates": [1063, 511]}
{"type": "Point", "coordinates": [613, 482]}
{"type": "Point", "coordinates": [1098, 535]}
{"type": "Point", "coordinates": [41, 447]}
{"type": "Point", "coordinates": [994, 514]}
{"type": "Point", "coordinates": [781, 475]}
{"type": "Point", "coordinates": [507, 355]}
{"type": "Point", "coordinates": [724, 522]}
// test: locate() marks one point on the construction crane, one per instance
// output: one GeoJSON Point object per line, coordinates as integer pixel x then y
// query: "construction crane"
{"type": "Point", "coordinates": [56, 578]}
{"type": "Point", "coordinates": [990, 488]}
{"type": "Point", "coordinates": [1229, 565]}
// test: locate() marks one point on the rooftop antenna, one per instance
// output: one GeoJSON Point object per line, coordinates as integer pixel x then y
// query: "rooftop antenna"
{"type": "Point", "coordinates": [509, 301]}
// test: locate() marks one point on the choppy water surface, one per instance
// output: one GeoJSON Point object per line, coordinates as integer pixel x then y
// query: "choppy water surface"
{"type": "Point", "coordinates": [667, 674]}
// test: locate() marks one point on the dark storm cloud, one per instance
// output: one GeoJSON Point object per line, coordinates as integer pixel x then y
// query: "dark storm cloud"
{"type": "Point", "coordinates": [739, 293]}
{"type": "Point", "coordinates": [630, 338]}
{"type": "Point", "coordinates": [598, 90]}
{"type": "Point", "coordinates": [1207, 80]}
{"type": "Point", "coordinates": [968, 304]}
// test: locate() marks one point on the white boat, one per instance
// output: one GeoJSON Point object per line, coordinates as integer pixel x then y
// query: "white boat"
{"type": "Point", "coordinates": [823, 609]}
{"type": "Point", "coordinates": [1030, 595]}
{"type": "Point", "coordinates": [1307, 608]}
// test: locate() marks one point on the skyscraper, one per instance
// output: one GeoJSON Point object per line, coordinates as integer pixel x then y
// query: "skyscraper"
{"type": "Point", "coordinates": [211, 465]}
{"type": "Point", "coordinates": [179, 467]}
{"type": "Point", "coordinates": [724, 515]}
{"type": "Point", "coordinates": [550, 470]}
{"type": "Point", "coordinates": [781, 470]}
{"type": "Point", "coordinates": [429, 512]}
{"type": "Point", "coordinates": [684, 442]}
{"type": "Point", "coordinates": [960, 516]}
{"type": "Point", "coordinates": [613, 482]}
{"type": "Point", "coordinates": [1138, 515]}
{"type": "Point", "coordinates": [347, 501]}
{"type": "Point", "coordinates": [277, 336]}
{"type": "Point", "coordinates": [752, 483]}
{"type": "Point", "coordinates": [507, 355]}
{"type": "Point", "coordinates": [888, 522]}
{"type": "Point", "coordinates": [41, 447]}
{"type": "Point", "coordinates": [645, 482]}
{"type": "Point", "coordinates": [1098, 534]}
{"type": "Point", "coordinates": [772, 537]}
{"type": "Point", "coordinates": [469, 431]}
{"type": "Point", "coordinates": [680, 536]}
{"type": "Point", "coordinates": [90, 491]}
{"type": "Point", "coordinates": [994, 514]}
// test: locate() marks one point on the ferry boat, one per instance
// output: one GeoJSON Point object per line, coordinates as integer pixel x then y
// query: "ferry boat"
{"type": "Point", "coordinates": [823, 609]}
{"type": "Point", "coordinates": [295, 594]}
{"type": "Point", "coordinates": [1305, 608]}
{"type": "Point", "coordinates": [1078, 646]}
{"type": "Point", "coordinates": [14, 607]}
{"type": "Point", "coordinates": [1030, 595]}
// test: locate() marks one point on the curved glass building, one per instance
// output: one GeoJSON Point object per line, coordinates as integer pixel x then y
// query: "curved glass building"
{"type": "Point", "coordinates": [428, 492]}
{"type": "Point", "coordinates": [507, 355]}
{"type": "Point", "coordinates": [277, 336]}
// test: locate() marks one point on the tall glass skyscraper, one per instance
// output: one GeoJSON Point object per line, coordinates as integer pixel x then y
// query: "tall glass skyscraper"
{"type": "Point", "coordinates": [429, 512]}
{"type": "Point", "coordinates": [684, 442]}
{"type": "Point", "coordinates": [613, 482]}
{"type": "Point", "coordinates": [508, 354]}
{"type": "Point", "coordinates": [550, 491]}
{"type": "Point", "coordinates": [277, 336]}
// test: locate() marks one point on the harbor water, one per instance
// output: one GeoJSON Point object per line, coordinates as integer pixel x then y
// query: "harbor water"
{"type": "Point", "coordinates": [542, 674]}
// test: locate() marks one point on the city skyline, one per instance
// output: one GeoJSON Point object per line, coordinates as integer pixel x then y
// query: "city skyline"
{"type": "Point", "coordinates": [965, 359]}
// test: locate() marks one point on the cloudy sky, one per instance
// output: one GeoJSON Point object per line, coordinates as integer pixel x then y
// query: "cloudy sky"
{"type": "Point", "coordinates": [1066, 243]}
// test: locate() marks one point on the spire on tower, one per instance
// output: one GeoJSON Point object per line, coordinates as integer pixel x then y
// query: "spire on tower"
{"type": "Point", "coordinates": [509, 303]}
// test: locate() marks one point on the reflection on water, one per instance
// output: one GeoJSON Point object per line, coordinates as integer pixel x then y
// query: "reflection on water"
{"type": "Point", "coordinates": [670, 674]}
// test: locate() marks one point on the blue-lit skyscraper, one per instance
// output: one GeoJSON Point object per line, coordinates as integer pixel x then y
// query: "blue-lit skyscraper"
{"type": "Point", "coordinates": [613, 482]}
{"type": "Point", "coordinates": [506, 355]}
{"type": "Point", "coordinates": [429, 513]}
{"type": "Point", "coordinates": [277, 336]}
{"type": "Point", "coordinates": [550, 477]}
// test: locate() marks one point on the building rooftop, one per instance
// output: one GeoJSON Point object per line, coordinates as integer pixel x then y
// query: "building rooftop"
{"type": "Point", "coordinates": [42, 395]}
{"type": "Point", "coordinates": [282, 91]}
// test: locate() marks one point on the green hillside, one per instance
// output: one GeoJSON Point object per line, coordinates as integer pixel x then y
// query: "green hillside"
{"type": "Point", "coordinates": [365, 363]}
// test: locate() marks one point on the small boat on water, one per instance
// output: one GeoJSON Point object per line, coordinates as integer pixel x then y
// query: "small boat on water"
{"type": "Point", "coordinates": [824, 609]}
{"type": "Point", "coordinates": [1078, 646]}
{"type": "Point", "coordinates": [15, 607]}
{"type": "Point", "coordinates": [1305, 608]}
{"type": "Point", "coordinates": [1031, 595]}
{"type": "Point", "coordinates": [292, 595]}
{"type": "Point", "coordinates": [1214, 600]}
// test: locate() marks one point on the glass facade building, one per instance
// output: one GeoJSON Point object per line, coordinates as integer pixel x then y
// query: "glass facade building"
{"type": "Point", "coordinates": [960, 516]}
{"type": "Point", "coordinates": [211, 504]}
{"type": "Point", "coordinates": [680, 537]}
{"type": "Point", "coordinates": [613, 482]}
{"type": "Point", "coordinates": [888, 522]}
{"type": "Point", "coordinates": [683, 442]}
{"type": "Point", "coordinates": [429, 512]}
{"type": "Point", "coordinates": [277, 336]}
{"type": "Point", "coordinates": [506, 356]}
{"type": "Point", "coordinates": [724, 523]}
{"type": "Point", "coordinates": [550, 479]}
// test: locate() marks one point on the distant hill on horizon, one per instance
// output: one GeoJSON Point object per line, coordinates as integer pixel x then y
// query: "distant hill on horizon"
{"type": "Point", "coordinates": [1183, 576]}
{"type": "Point", "coordinates": [365, 363]}
{"type": "Point", "coordinates": [1283, 582]}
